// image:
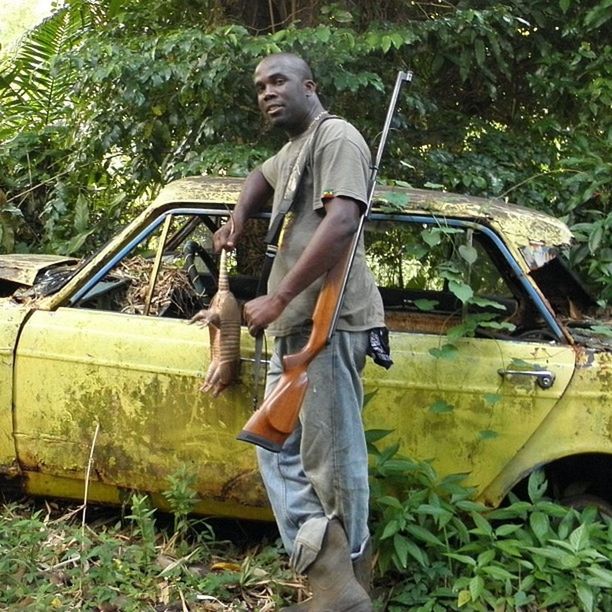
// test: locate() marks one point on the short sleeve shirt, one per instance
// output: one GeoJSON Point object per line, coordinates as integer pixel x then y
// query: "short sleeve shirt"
{"type": "Point", "coordinates": [338, 165]}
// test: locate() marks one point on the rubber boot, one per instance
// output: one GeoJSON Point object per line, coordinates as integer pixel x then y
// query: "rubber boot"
{"type": "Point", "coordinates": [331, 577]}
{"type": "Point", "coordinates": [362, 567]}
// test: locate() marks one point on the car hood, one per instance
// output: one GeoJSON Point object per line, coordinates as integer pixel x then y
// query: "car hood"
{"type": "Point", "coordinates": [24, 269]}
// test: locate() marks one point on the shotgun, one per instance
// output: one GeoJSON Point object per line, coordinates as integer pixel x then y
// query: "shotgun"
{"type": "Point", "coordinates": [272, 423]}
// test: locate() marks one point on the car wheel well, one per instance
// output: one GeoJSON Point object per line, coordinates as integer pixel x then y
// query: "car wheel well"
{"type": "Point", "coordinates": [585, 476]}
{"type": "Point", "coordinates": [10, 487]}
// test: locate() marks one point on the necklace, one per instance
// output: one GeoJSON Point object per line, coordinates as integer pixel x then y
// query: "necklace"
{"type": "Point", "coordinates": [323, 112]}
{"type": "Point", "coordinates": [307, 130]}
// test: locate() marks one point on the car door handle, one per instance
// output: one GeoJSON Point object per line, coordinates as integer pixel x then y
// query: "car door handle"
{"type": "Point", "coordinates": [544, 378]}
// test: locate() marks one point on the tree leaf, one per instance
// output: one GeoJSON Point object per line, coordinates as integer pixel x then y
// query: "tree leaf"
{"type": "Point", "coordinates": [404, 547]}
{"type": "Point", "coordinates": [601, 577]}
{"type": "Point", "coordinates": [479, 50]}
{"type": "Point", "coordinates": [462, 558]}
{"type": "Point", "coordinates": [536, 485]}
{"type": "Point", "coordinates": [463, 598]}
{"type": "Point", "coordinates": [596, 237]}
{"type": "Point", "coordinates": [424, 534]}
{"type": "Point", "coordinates": [579, 538]}
{"type": "Point", "coordinates": [461, 290]}
{"type": "Point", "coordinates": [484, 303]}
{"type": "Point", "coordinates": [468, 252]}
{"type": "Point", "coordinates": [540, 523]}
{"type": "Point", "coordinates": [394, 201]}
{"type": "Point", "coordinates": [391, 528]}
{"type": "Point", "coordinates": [484, 558]}
{"type": "Point", "coordinates": [482, 524]}
{"type": "Point", "coordinates": [506, 530]}
{"type": "Point", "coordinates": [432, 237]}
{"type": "Point", "coordinates": [374, 435]}
{"type": "Point", "coordinates": [426, 305]}
{"type": "Point", "coordinates": [390, 501]}
{"type": "Point", "coordinates": [446, 351]}
{"type": "Point", "coordinates": [81, 214]}
{"type": "Point", "coordinates": [476, 587]}
{"type": "Point", "coordinates": [498, 572]}
{"type": "Point", "coordinates": [73, 245]}
{"type": "Point", "coordinates": [585, 594]}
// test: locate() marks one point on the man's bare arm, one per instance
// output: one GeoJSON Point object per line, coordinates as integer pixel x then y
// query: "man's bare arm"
{"type": "Point", "coordinates": [256, 191]}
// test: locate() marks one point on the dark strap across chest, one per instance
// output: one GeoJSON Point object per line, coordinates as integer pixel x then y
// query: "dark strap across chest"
{"type": "Point", "coordinates": [290, 188]}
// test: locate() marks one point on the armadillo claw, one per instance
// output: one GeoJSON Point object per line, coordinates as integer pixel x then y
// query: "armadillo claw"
{"type": "Point", "coordinates": [205, 317]}
{"type": "Point", "coordinates": [219, 376]}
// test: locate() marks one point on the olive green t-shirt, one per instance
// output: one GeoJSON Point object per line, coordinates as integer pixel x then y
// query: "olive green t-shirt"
{"type": "Point", "coordinates": [338, 165]}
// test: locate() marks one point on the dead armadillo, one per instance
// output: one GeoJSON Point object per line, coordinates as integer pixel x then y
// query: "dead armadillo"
{"type": "Point", "coordinates": [223, 320]}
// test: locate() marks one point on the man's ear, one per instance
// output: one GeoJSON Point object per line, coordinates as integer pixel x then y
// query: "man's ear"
{"type": "Point", "coordinates": [310, 87]}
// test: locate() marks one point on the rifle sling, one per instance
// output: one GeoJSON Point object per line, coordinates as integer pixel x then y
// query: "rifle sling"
{"type": "Point", "coordinates": [291, 186]}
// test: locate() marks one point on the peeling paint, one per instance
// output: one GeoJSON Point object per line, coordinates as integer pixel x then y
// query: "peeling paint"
{"type": "Point", "coordinates": [146, 397]}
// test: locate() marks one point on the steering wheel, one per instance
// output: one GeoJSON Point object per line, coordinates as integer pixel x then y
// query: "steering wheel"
{"type": "Point", "coordinates": [201, 268]}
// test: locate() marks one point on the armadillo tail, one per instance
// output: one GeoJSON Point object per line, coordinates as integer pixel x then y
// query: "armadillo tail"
{"type": "Point", "coordinates": [223, 278]}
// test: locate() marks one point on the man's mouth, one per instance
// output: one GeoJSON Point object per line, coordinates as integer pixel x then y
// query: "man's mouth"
{"type": "Point", "coordinates": [273, 109]}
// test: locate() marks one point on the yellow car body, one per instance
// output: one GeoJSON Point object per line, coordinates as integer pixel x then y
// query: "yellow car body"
{"type": "Point", "coordinates": [107, 389]}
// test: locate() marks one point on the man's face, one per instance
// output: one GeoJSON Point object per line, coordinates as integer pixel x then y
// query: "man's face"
{"type": "Point", "coordinates": [283, 93]}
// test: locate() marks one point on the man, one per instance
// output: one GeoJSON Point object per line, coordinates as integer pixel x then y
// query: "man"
{"type": "Point", "coordinates": [318, 483]}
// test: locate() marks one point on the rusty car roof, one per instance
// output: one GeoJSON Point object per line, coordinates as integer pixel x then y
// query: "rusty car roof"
{"type": "Point", "coordinates": [524, 226]}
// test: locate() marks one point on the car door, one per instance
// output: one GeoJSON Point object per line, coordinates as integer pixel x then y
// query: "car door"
{"type": "Point", "coordinates": [123, 387]}
{"type": "Point", "coordinates": [477, 370]}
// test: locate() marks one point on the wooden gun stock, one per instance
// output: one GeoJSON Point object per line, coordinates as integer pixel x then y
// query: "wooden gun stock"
{"type": "Point", "coordinates": [272, 423]}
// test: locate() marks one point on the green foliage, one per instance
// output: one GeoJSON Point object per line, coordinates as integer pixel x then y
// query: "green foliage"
{"type": "Point", "coordinates": [182, 498]}
{"type": "Point", "coordinates": [49, 561]}
{"type": "Point", "coordinates": [436, 550]}
{"type": "Point", "coordinates": [35, 87]}
{"type": "Point", "coordinates": [439, 550]}
{"type": "Point", "coordinates": [143, 519]}
{"type": "Point", "coordinates": [511, 100]}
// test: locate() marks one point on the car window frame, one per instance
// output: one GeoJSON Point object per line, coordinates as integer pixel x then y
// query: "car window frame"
{"type": "Point", "coordinates": [123, 251]}
{"type": "Point", "coordinates": [531, 292]}
{"type": "Point", "coordinates": [530, 289]}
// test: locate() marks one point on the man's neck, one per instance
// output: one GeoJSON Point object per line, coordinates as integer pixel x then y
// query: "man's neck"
{"type": "Point", "coordinates": [313, 117]}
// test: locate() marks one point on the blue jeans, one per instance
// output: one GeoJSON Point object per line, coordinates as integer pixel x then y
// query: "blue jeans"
{"type": "Point", "coordinates": [322, 470]}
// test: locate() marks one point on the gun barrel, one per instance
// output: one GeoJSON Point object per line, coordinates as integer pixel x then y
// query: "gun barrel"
{"type": "Point", "coordinates": [402, 77]}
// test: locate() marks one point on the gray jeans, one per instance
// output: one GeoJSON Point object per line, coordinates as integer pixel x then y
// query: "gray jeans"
{"type": "Point", "coordinates": [322, 470]}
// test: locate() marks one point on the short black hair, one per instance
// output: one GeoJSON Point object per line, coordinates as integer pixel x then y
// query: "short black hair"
{"type": "Point", "coordinates": [300, 63]}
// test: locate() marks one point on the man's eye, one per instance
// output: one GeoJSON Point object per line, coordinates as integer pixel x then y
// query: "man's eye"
{"type": "Point", "coordinates": [279, 81]}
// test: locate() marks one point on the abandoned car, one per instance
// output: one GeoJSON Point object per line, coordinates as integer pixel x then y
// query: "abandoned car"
{"type": "Point", "coordinates": [502, 363]}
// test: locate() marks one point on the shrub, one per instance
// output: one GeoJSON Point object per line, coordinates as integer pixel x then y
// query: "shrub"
{"type": "Point", "coordinates": [440, 550]}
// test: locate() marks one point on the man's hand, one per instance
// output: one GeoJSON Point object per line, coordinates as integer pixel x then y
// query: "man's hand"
{"type": "Point", "coordinates": [261, 311]}
{"type": "Point", "coordinates": [328, 244]}
{"type": "Point", "coordinates": [227, 236]}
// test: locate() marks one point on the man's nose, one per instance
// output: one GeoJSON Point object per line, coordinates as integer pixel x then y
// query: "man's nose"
{"type": "Point", "coordinates": [268, 92]}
